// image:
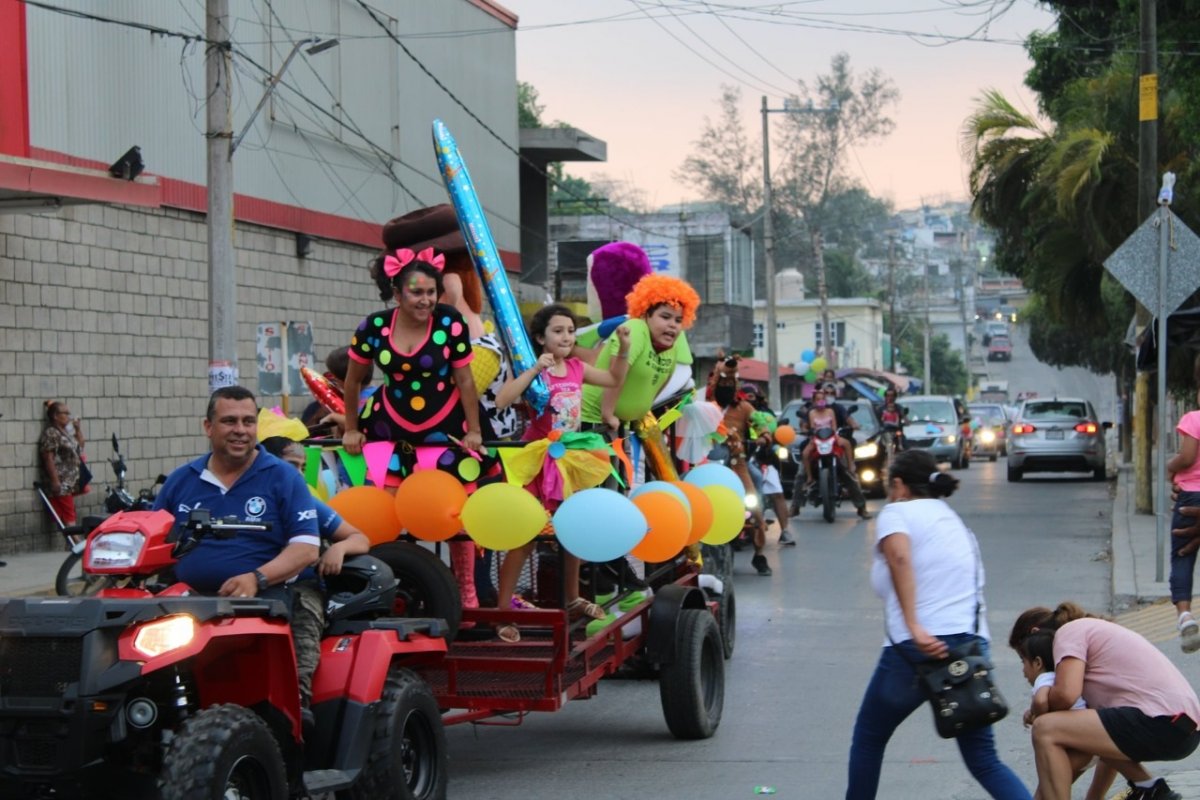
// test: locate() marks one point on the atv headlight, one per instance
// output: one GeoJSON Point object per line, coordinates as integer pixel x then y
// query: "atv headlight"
{"type": "Point", "coordinates": [867, 476]}
{"type": "Point", "coordinates": [782, 452]}
{"type": "Point", "coordinates": [865, 451]}
{"type": "Point", "coordinates": [165, 635]}
{"type": "Point", "coordinates": [752, 501]}
{"type": "Point", "coordinates": [115, 550]}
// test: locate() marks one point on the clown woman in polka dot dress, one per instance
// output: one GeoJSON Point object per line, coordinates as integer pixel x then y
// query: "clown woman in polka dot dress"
{"type": "Point", "coordinates": [423, 349]}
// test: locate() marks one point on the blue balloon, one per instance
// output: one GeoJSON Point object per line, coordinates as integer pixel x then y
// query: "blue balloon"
{"type": "Point", "coordinates": [599, 525]}
{"type": "Point", "coordinates": [715, 475]}
{"type": "Point", "coordinates": [808, 355]}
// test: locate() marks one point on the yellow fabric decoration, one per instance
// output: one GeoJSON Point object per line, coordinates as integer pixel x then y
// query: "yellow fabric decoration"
{"type": "Point", "coordinates": [272, 424]}
{"type": "Point", "coordinates": [579, 469]}
{"type": "Point", "coordinates": [669, 417]}
{"type": "Point", "coordinates": [484, 367]}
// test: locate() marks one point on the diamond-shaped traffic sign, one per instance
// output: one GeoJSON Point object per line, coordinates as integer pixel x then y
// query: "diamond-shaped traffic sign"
{"type": "Point", "coordinates": [1135, 262]}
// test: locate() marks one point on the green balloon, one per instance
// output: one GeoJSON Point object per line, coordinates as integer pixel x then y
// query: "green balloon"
{"type": "Point", "coordinates": [811, 375]}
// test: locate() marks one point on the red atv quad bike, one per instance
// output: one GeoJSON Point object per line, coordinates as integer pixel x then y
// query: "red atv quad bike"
{"type": "Point", "coordinates": [153, 691]}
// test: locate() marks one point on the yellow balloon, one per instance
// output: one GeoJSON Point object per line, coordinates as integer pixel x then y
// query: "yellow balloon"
{"type": "Point", "coordinates": [729, 514]}
{"type": "Point", "coordinates": [501, 516]}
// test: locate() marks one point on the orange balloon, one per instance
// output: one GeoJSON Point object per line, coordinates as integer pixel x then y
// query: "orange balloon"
{"type": "Point", "coordinates": [785, 435]}
{"type": "Point", "coordinates": [669, 527]}
{"type": "Point", "coordinates": [428, 504]}
{"type": "Point", "coordinates": [370, 509]}
{"type": "Point", "coordinates": [702, 510]}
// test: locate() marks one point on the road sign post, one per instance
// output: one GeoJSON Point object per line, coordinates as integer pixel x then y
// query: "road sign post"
{"type": "Point", "coordinates": [1165, 241]}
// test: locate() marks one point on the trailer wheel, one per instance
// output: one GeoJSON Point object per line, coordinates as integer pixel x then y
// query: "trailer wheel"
{"type": "Point", "coordinates": [692, 686]}
{"type": "Point", "coordinates": [409, 759]}
{"type": "Point", "coordinates": [222, 752]}
{"type": "Point", "coordinates": [426, 585]}
{"type": "Point", "coordinates": [727, 607]}
{"type": "Point", "coordinates": [72, 581]}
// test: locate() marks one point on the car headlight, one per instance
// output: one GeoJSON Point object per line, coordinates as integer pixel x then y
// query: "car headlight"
{"type": "Point", "coordinates": [165, 635]}
{"type": "Point", "coordinates": [115, 550]}
{"type": "Point", "coordinates": [782, 452]}
{"type": "Point", "coordinates": [987, 437]}
{"type": "Point", "coordinates": [951, 439]}
{"type": "Point", "coordinates": [751, 501]}
{"type": "Point", "coordinates": [865, 451]}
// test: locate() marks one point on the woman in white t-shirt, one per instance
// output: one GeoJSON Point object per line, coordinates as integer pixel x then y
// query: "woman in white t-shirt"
{"type": "Point", "coordinates": [928, 572]}
{"type": "Point", "coordinates": [1140, 707]}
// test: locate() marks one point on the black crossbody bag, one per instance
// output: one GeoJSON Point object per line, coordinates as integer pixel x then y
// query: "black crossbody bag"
{"type": "Point", "coordinates": [960, 687]}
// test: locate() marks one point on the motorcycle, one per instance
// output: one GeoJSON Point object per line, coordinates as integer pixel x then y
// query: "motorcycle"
{"type": "Point", "coordinates": [829, 488]}
{"type": "Point", "coordinates": [72, 580]}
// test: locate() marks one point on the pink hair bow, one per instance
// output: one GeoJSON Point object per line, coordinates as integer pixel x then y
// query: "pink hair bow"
{"type": "Point", "coordinates": [393, 263]}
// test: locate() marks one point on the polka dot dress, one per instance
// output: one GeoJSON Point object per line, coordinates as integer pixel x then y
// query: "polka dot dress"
{"type": "Point", "coordinates": [419, 401]}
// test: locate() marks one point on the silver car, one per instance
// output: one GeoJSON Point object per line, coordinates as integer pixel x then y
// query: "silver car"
{"type": "Point", "coordinates": [934, 423]}
{"type": "Point", "coordinates": [1059, 434]}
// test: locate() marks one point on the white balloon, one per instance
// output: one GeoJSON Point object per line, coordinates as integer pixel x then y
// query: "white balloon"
{"type": "Point", "coordinates": [801, 367]}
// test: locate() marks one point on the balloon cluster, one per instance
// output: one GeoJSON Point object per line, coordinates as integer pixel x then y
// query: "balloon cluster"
{"type": "Point", "coordinates": [810, 365]}
{"type": "Point", "coordinates": [654, 523]}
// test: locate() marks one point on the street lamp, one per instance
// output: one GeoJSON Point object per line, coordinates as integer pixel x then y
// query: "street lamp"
{"type": "Point", "coordinates": [789, 107]}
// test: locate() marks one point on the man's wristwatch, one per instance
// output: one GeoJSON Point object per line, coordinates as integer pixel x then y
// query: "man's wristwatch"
{"type": "Point", "coordinates": [263, 583]}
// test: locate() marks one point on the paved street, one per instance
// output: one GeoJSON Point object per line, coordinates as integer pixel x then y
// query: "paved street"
{"type": "Point", "coordinates": [807, 642]}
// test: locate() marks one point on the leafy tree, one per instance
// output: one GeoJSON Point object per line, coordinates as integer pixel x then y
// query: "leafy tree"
{"type": "Point", "coordinates": [846, 111]}
{"type": "Point", "coordinates": [725, 166]}
{"type": "Point", "coordinates": [949, 373]}
{"type": "Point", "coordinates": [529, 110]}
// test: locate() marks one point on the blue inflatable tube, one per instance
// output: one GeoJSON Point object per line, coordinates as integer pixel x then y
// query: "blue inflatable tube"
{"type": "Point", "coordinates": [482, 248]}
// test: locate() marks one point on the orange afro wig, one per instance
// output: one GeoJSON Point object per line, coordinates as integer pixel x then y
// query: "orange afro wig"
{"type": "Point", "coordinates": [655, 290]}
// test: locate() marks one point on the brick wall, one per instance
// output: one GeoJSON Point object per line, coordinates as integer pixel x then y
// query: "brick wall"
{"type": "Point", "coordinates": [106, 308]}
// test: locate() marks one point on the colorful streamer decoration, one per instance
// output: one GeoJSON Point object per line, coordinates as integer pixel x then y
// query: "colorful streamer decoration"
{"type": "Point", "coordinates": [482, 248]}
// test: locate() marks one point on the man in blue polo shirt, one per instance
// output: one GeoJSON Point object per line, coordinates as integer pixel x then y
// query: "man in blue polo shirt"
{"type": "Point", "coordinates": [240, 479]}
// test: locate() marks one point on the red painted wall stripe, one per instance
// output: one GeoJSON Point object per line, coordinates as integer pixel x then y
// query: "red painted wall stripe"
{"type": "Point", "coordinates": [14, 80]}
{"type": "Point", "coordinates": [194, 197]}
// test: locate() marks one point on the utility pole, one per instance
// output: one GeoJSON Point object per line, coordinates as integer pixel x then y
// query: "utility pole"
{"type": "Point", "coordinates": [892, 299]}
{"type": "Point", "coordinates": [222, 279]}
{"type": "Point", "coordinates": [769, 262]}
{"type": "Point", "coordinates": [769, 251]}
{"type": "Point", "coordinates": [1143, 416]}
{"type": "Point", "coordinates": [925, 291]}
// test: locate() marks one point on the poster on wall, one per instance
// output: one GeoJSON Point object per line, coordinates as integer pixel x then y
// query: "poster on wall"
{"type": "Point", "coordinates": [282, 349]}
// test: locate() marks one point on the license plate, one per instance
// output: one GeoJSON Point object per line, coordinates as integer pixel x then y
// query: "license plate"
{"type": "Point", "coordinates": [1054, 434]}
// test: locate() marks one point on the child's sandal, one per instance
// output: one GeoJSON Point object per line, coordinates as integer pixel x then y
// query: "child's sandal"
{"type": "Point", "coordinates": [585, 608]}
{"type": "Point", "coordinates": [508, 633]}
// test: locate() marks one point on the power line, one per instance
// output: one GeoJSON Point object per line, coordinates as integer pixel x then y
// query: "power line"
{"type": "Point", "coordinates": [532, 164]}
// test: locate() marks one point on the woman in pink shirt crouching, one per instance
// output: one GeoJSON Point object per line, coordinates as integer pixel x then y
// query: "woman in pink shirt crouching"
{"type": "Point", "coordinates": [1140, 707]}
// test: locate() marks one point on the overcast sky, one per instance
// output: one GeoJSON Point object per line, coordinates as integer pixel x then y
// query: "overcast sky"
{"type": "Point", "coordinates": [643, 74]}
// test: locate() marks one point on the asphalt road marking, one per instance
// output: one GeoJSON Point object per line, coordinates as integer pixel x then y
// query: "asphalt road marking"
{"type": "Point", "coordinates": [1157, 621]}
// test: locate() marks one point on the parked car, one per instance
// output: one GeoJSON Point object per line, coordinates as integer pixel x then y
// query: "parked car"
{"type": "Point", "coordinates": [991, 430]}
{"type": "Point", "coordinates": [870, 459]}
{"type": "Point", "coordinates": [999, 349]}
{"type": "Point", "coordinates": [1059, 434]}
{"type": "Point", "coordinates": [935, 424]}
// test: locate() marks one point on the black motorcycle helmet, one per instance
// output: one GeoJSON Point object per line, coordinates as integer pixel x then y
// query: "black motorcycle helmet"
{"type": "Point", "coordinates": [366, 586]}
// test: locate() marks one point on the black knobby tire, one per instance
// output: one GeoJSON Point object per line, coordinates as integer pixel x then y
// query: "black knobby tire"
{"type": "Point", "coordinates": [827, 478]}
{"type": "Point", "coordinates": [1014, 474]}
{"type": "Point", "coordinates": [72, 581]}
{"type": "Point", "coordinates": [727, 606]}
{"type": "Point", "coordinates": [223, 751]}
{"type": "Point", "coordinates": [426, 585]}
{"type": "Point", "coordinates": [409, 759]}
{"type": "Point", "coordinates": [692, 686]}
{"type": "Point", "coordinates": [966, 459]}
